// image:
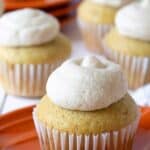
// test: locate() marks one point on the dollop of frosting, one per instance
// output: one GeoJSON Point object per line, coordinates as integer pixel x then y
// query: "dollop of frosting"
{"type": "Point", "coordinates": [134, 20]}
{"type": "Point", "coordinates": [113, 3]}
{"type": "Point", "coordinates": [27, 27]}
{"type": "Point", "coordinates": [86, 84]}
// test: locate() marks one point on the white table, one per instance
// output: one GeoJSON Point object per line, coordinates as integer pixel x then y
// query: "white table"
{"type": "Point", "coordinates": [10, 103]}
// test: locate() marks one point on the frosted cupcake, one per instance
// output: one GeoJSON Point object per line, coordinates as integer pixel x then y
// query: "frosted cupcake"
{"type": "Point", "coordinates": [86, 107]}
{"type": "Point", "coordinates": [95, 18]}
{"type": "Point", "coordinates": [129, 43]}
{"type": "Point", "coordinates": [31, 47]}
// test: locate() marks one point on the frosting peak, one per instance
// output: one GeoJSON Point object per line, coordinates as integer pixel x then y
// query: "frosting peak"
{"type": "Point", "coordinates": [92, 62]}
{"type": "Point", "coordinates": [134, 21]}
{"type": "Point", "coordinates": [86, 84]}
{"type": "Point", "coordinates": [27, 27]}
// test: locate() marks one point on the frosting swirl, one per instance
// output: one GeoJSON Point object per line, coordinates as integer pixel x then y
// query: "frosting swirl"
{"type": "Point", "coordinates": [27, 27]}
{"type": "Point", "coordinates": [134, 21]}
{"type": "Point", "coordinates": [113, 3]}
{"type": "Point", "coordinates": [86, 84]}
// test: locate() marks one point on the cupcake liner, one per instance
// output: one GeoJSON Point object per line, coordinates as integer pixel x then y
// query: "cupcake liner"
{"type": "Point", "coordinates": [25, 79]}
{"type": "Point", "coordinates": [93, 35]}
{"type": "Point", "coordinates": [51, 139]}
{"type": "Point", "coordinates": [137, 69]}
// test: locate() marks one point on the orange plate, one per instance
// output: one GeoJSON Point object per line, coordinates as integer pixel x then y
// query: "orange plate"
{"type": "Point", "coordinates": [145, 119]}
{"type": "Point", "coordinates": [17, 132]}
{"type": "Point", "coordinates": [67, 9]}
{"type": "Point", "coordinates": [66, 20]}
{"type": "Point", "coordinates": [17, 4]}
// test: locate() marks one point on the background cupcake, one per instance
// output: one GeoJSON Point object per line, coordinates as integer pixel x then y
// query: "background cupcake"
{"type": "Point", "coordinates": [95, 18]}
{"type": "Point", "coordinates": [90, 110]}
{"type": "Point", "coordinates": [31, 46]}
{"type": "Point", "coordinates": [129, 43]}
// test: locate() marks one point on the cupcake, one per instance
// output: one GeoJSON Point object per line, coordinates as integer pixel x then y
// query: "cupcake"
{"type": "Point", "coordinates": [86, 107]}
{"type": "Point", "coordinates": [95, 18]}
{"type": "Point", "coordinates": [31, 47]}
{"type": "Point", "coordinates": [129, 42]}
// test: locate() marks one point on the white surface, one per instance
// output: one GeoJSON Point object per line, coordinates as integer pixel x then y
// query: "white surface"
{"type": "Point", "coordinates": [12, 102]}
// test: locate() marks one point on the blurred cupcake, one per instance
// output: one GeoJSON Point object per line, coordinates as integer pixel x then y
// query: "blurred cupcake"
{"type": "Point", "coordinates": [129, 43]}
{"type": "Point", "coordinates": [95, 18]}
{"type": "Point", "coordinates": [31, 47]}
{"type": "Point", "coordinates": [90, 110]}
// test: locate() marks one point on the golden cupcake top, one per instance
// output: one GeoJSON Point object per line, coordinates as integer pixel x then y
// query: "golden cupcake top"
{"type": "Point", "coordinates": [86, 84]}
{"type": "Point", "coordinates": [27, 27]}
{"type": "Point", "coordinates": [115, 117]}
{"type": "Point", "coordinates": [98, 12]}
{"type": "Point", "coordinates": [51, 52]}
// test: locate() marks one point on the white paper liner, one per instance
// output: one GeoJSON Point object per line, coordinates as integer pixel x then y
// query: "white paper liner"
{"type": "Point", "coordinates": [26, 79]}
{"type": "Point", "coordinates": [52, 139]}
{"type": "Point", "coordinates": [137, 69]}
{"type": "Point", "coordinates": [93, 34]}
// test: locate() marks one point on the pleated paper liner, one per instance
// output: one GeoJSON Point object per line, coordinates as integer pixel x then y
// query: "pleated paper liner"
{"type": "Point", "coordinates": [26, 79]}
{"type": "Point", "coordinates": [93, 34]}
{"type": "Point", "coordinates": [115, 140]}
{"type": "Point", "coordinates": [137, 69]}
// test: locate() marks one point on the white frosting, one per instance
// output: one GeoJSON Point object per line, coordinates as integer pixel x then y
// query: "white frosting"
{"type": "Point", "coordinates": [114, 3]}
{"type": "Point", "coordinates": [27, 27]}
{"type": "Point", "coordinates": [134, 20]}
{"type": "Point", "coordinates": [86, 84]}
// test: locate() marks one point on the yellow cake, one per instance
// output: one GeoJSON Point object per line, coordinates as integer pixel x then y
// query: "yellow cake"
{"type": "Point", "coordinates": [96, 23]}
{"type": "Point", "coordinates": [126, 45]}
{"type": "Point", "coordinates": [124, 112]}
{"type": "Point", "coordinates": [50, 52]}
{"type": "Point", "coordinates": [97, 13]}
